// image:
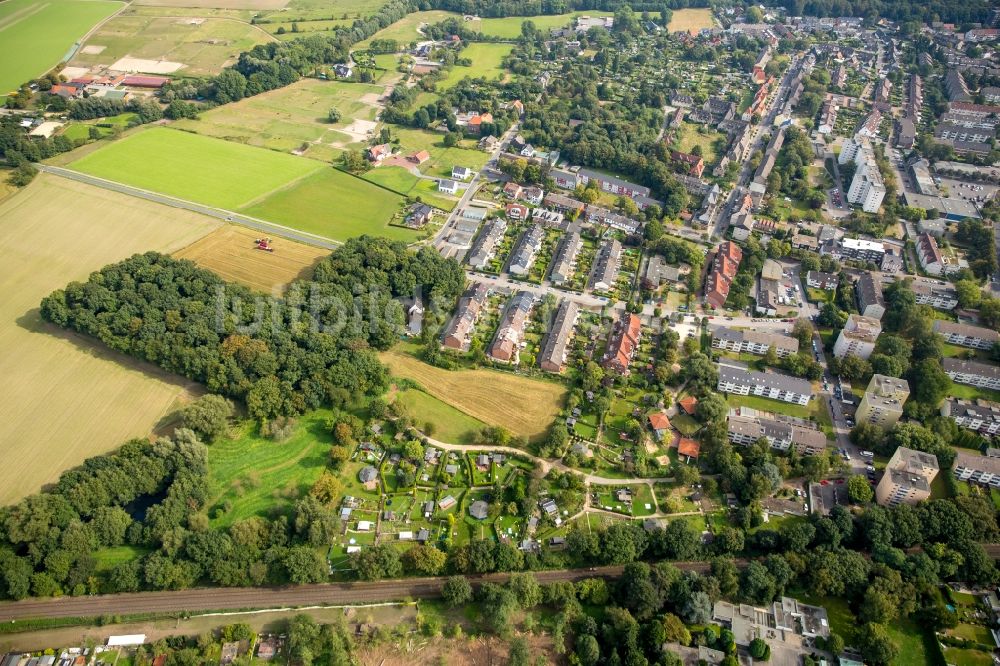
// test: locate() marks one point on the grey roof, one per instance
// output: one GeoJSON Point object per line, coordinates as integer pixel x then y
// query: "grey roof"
{"type": "Point", "coordinates": [596, 175]}
{"type": "Point", "coordinates": [562, 265]}
{"type": "Point", "coordinates": [985, 411]}
{"type": "Point", "coordinates": [524, 254]}
{"type": "Point", "coordinates": [961, 366]}
{"type": "Point", "coordinates": [486, 242]}
{"type": "Point", "coordinates": [554, 349]}
{"type": "Point", "coordinates": [976, 462]}
{"type": "Point", "coordinates": [952, 328]}
{"type": "Point", "coordinates": [479, 509]}
{"type": "Point", "coordinates": [608, 263]}
{"type": "Point", "coordinates": [367, 474]}
{"type": "Point", "coordinates": [757, 337]}
{"type": "Point", "coordinates": [772, 380]}
{"type": "Point", "coordinates": [869, 290]}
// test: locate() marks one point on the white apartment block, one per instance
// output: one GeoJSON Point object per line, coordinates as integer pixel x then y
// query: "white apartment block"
{"type": "Point", "coordinates": [771, 385]}
{"type": "Point", "coordinates": [981, 416]}
{"type": "Point", "coordinates": [857, 337]}
{"type": "Point", "coordinates": [753, 342]}
{"type": "Point", "coordinates": [974, 468]}
{"type": "Point", "coordinates": [965, 335]}
{"type": "Point", "coordinates": [907, 479]}
{"type": "Point", "coordinates": [973, 373]}
{"type": "Point", "coordinates": [867, 189]}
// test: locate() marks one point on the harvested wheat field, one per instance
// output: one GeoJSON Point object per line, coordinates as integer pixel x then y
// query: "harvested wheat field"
{"type": "Point", "coordinates": [232, 253]}
{"type": "Point", "coordinates": [525, 407]}
{"type": "Point", "coordinates": [66, 398]}
{"type": "Point", "coordinates": [691, 20]}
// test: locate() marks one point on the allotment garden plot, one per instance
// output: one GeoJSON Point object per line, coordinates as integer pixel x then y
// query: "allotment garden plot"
{"type": "Point", "coordinates": [66, 398]}
{"type": "Point", "coordinates": [36, 36]}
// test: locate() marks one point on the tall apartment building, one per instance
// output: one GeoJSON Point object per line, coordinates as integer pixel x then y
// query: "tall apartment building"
{"type": "Point", "coordinates": [867, 188]}
{"type": "Point", "coordinates": [907, 478]}
{"type": "Point", "coordinates": [882, 404]}
{"type": "Point", "coordinates": [857, 337]}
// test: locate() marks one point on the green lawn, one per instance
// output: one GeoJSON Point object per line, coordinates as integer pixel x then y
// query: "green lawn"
{"type": "Point", "coordinates": [400, 180]}
{"type": "Point", "coordinates": [486, 59]}
{"type": "Point", "coordinates": [510, 27]}
{"type": "Point", "coordinates": [973, 632]}
{"type": "Point", "coordinates": [197, 168]}
{"type": "Point", "coordinates": [686, 425]}
{"type": "Point", "coordinates": [405, 29]}
{"type": "Point", "coordinates": [108, 558]}
{"type": "Point", "coordinates": [334, 204]}
{"type": "Point", "coordinates": [960, 657]}
{"type": "Point", "coordinates": [250, 475]}
{"type": "Point", "coordinates": [450, 425]}
{"type": "Point", "coordinates": [36, 36]}
{"type": "Point", "coordinates": [971, 392]}
{"type": "Point", "coordinates": [442, 158]}
{"type": "Point", "coordinates": [768, 405]}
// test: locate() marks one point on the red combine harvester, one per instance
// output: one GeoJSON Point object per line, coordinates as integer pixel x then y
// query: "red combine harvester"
{"type": "Point", "coordinates": [264, 244]}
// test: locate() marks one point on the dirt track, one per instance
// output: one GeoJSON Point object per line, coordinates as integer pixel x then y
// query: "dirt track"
{"type": "Point", "coordinates": [218, 599]}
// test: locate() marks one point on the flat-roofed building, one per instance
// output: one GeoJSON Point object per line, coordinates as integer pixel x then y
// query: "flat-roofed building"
{"type": "Point", "coordinates": [882, 404]}
{"type": "Point", "coordinates": [857, 337]}
{"type": "Point", "coordinates": [966, 335]}
{"type": "Point", "coordinates": [982, 416]}
{"type": "Point", "coordinates": [755, 342]}
{"type": "Point", "coordinates": [907, 479]}
{"type": "Point", "coordinates": [974, 468]}
{"type": "Point", "coordinates": [973, 373]}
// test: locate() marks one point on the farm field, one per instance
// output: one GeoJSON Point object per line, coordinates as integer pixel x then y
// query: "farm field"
{"type": "Point", "coordinates": [203, 45]}
{"type": "Point", "coordinates": [450, 425]}
{"type": "Point", "coordinates": [405, 30]}
{"type": "Point", "coordinates": [486, 59]}
{"type": "Point", "coordinates": [333, 204]}
{"type": "Point", "coordinates": [692, 20]}
{"type": "Point", "coordinates": [189, 166]}
{"type": "Point", "coordinates": [287, 118]}
{"type": "Point", "coordinates": [442, 158]}
{"type": "Point", "coordinates": [35, 37]}
{"type": "Point", "coordinates": [64, 398]}
{"type": "Point", "coordinates": [231, 253]}
{"type": "Point", "coordinates": [217, 4]}
{"type": "Point", "coordinates": [400, 180]}
{"type": "Point", "coordinates": [250, 475]}
{"type": "Point", "coordinates": [524, 406]}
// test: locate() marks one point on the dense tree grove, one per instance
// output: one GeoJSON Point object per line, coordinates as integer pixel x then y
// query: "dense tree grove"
{"type": "Point", "coordinates": [493, 9]}
{"type": "Point", "coordinates": [897, 10]}
{"type": "Point", "coordinates": [280, 356]}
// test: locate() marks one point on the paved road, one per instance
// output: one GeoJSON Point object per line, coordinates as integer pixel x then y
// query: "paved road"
{"type": "Point", "coordinates": [502, 282]}
{"type": "Point", "coordinates": [263, 226]}
{"type": "Point", "coordinates": [243, 598]}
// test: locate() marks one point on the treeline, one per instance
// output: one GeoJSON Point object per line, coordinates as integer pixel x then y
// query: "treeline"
{"type": "Point", "coordinates": [977, 11]}
{"type": "Point", "coordinates": [505, 8]}
{"type": "Point", "coordinates": [280, 356]}
{"type": "Point", "coordinates": [48, 541]}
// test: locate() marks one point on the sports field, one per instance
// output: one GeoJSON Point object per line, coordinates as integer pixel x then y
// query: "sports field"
{"type": "Point", "coordinates": [36, 36]}
{"type": "Point", "coordinates": [405, 30]}
{"type": "Point", "coordinates": [231, 252]}
{"type": "Point", "coordinates": [298, 114]}
{"type": "Point", "coordinates": [210, 171]}
{"type": "Point", "coordinates": [335, 205]}
{"type": "Point", "coordinates": [486, 59]}
{"type": "Point", "coordinates": [66, 398]}
{"type": "Point", "coordinates": [203, 45]}
{"type": "Point", "coordinates": [524, 406]}
{"type": "Point", "coordinates": [692, 20]}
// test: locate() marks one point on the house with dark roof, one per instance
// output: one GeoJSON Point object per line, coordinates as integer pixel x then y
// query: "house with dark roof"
{"type": "Point", "coordinates": [554, 349]}
{"type": "Point", "coordinates": [479, 510]}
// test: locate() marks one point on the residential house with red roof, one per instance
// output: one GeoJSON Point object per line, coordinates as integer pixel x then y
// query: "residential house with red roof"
{"type": "Point", "coordinates": [622, 344]}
